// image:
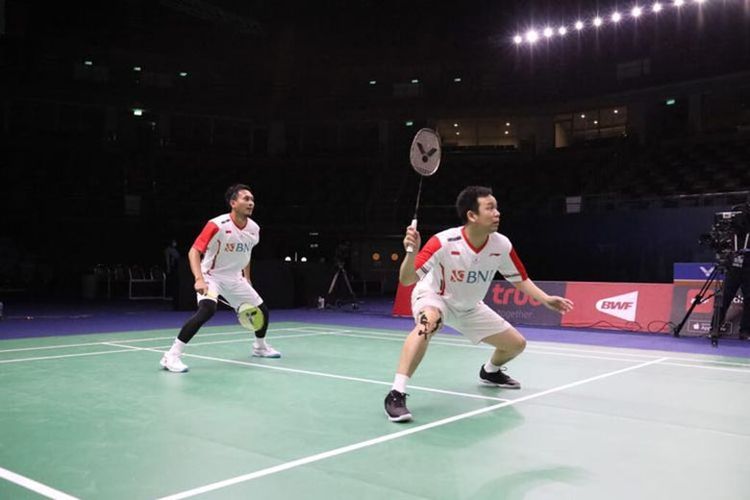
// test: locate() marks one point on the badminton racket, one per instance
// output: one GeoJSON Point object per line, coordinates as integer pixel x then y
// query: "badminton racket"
{"type": "Point", "coordinates": [250, 317]}
{"type": "Point", "coordinates": [424, 156]}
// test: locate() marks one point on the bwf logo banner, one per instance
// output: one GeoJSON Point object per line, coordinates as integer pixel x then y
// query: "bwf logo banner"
{"type": "Point", "coordinates": [623, 306]}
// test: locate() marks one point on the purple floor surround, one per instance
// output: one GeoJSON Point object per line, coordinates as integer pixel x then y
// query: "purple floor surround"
{"type": "Point", "coordinates": [25, 320]}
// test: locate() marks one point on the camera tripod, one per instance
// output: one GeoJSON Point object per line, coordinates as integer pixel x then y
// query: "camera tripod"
{"type": "Point", "coordinates": [341, 271]}
{"type": "Point", "coordinates": [700, 298]}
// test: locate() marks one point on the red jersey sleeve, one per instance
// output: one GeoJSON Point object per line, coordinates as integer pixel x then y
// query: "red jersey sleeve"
{"type": "Point", "coordinates": [426, 257]}
{"type": "Point", "coordinates": [203, 239]}
{"type": "Point", "coordinates": [512, 268]}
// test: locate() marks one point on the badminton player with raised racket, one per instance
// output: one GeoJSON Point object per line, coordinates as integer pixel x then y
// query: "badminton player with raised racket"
{"type": "Point", "coordinates": [220, 262]}
{"type": "Point", "coordinates": [452, 273]}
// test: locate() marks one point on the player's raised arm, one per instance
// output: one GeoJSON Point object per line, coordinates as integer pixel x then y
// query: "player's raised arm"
{"type": "Point", "coordinates": [407, 274]}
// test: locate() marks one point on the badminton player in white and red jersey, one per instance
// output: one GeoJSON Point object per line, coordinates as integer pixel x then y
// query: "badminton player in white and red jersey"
{"type": "Point", "coordinates": [453, 273]}
{"type": "Point", "coordinates": [220, 261]}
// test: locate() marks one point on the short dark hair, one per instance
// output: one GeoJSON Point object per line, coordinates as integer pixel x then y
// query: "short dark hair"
{"type": "Point", "coordinates": [233, 190]}
{"type": "Point", "coordinates": [468, 199]}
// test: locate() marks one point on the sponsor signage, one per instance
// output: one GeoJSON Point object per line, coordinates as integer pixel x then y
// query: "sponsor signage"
{"type": "Point", "coordinates": [643, 307]}
{"type": "Point", "coordinates": [693, 271]}
{"type": "Point", "coordinates": [519, 308]}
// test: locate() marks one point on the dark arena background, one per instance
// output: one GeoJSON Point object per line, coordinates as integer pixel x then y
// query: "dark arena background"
{"type": "Point", "coordinates": [615, 137]}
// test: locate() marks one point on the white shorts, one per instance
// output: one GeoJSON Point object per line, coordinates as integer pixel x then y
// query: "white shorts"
{"type": "Point", "coordinates": [236, 291]}
{"type": "Point", "coordinates": [475, 324]}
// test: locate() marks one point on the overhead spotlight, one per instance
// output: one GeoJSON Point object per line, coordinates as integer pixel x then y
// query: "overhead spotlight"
{"type": "Point", "coordinates": [679, 3]}
{"type": "Point", "coordinates": [457, 79]}
{"type": "Point", "coordinates": [532, 36]}
{"type": "Point", "coordinates": [455, 124]}
{"type": "Point", "coordinates": [507, 133]}
{"type": "Point", "coordinates": [617, 111]}
{"type": "Point", "coordinates": [598, 21]}
{"type": "Point", "coordinates": [636, 12]}
{"type": "Point", "coordinates": [518, 39]}
{"type": "Point", "coordinates": [458, 133]}
{"type": "Point", "coordinates": [373, 82]}
{"type": "Point", "coordinates": [303, 259]}
{"type": "Point", "coordinates": [548, 32]}
{"type": "Point", "coordinates": [562, 31]}
{"type": "Point", "coordinates": [583, 117]}
{"type": "Point", "coordinates": [700, 1]}
{"type": "Point", "coordinates": [579, 25]}
{"type": "Point", "coordinates": [596, 122]}
{"type": "Point", "coordinates": [616, 17]}
{"type": "Point", "coordinates": [287, 259]}
{"type": "Point", "coordinates": [656, 8]}
{"type": "Point", "coordinates": [507, 124]}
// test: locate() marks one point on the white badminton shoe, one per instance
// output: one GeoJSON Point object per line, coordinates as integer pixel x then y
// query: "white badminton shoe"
{"type": "Point", "coordinates": [173, 363]}
{"type": "Point", "coordinates": [265, 351]}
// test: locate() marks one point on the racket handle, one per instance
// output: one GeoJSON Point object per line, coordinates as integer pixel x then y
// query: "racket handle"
{"type": "Point", "coordinates": [410, 249]}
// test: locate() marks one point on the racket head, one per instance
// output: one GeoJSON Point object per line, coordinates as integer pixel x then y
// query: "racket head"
{"type": "Point", "coordinates": [426, 152]}
{"type": "Point", "coordinates": [250, 317]}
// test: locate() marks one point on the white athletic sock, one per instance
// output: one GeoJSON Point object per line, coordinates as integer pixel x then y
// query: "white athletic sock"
{"type": "Point", "coordinates": [259, 343]}
{"type": "Point", "coordinates": [399, 383]}
{"type": "Point", "coordinates": [177, 348]}
{"type": "Point", "coordinates": [490, 368]}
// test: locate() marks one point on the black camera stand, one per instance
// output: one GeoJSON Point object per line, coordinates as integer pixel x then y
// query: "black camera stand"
{"type": "Point", "coordinates": [341, 272]}
{"type": "Point", "coordinates": [700, 298]}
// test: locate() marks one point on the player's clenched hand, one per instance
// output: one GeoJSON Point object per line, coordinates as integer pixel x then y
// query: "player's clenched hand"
{"type": "Point", "coordinates": [412, 238]}
{"type": "Point", "coordinates": [200, 286]}
{"type": "Point", "coordinates": [559, 304]}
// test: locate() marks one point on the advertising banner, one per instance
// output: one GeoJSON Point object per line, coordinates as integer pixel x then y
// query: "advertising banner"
{"type": "Point", "coordinates": [641, 307]}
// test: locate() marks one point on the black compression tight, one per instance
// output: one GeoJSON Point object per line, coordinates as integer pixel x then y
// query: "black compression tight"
{"type": "Point", "coordinates": [206, 309]}
{"type": "Point", "coordinates": [261, 332]}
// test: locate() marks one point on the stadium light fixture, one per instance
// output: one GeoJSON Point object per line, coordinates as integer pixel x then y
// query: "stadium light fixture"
{"type": "Point", "coordinates": [636, 12]}
{"type": "Point", "coordinates": [518, 39]}
{"type": "Point", "coordinates": [548, 32]}
{"type": "Point", "coordinates": [579, 25]}
{"type": "Point", "coordinates": [656, 8]}
{"type": "Point", "coordinates": [598, 21]}
{"type": "Point", "coordinates": [679, 3]}
{"type": "Point", "coordinates": [532, 36]}
{"type": "Point", "coordinates": [562, 31]}
{"type": "Point", "coordinates": [616, 17]}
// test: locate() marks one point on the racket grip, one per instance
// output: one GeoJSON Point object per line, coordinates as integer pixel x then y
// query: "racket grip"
{"type": "Point", "coordinates": [410, 249]}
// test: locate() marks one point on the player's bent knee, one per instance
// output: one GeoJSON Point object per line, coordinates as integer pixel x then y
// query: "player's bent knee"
{"type": "Point", "coordinates": [429, 322]}
{"type": "Point", "coordinates": [521, 344]}
{"type": "Point", "coordinates": [206, 310]}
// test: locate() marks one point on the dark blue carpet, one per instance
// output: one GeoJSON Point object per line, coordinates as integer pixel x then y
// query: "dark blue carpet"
{"type": "Point", "coordinates": [24, 320]}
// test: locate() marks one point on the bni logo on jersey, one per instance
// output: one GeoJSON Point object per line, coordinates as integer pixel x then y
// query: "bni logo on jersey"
{"type": "Point", "coordinates": [461, 276]}
{"type": "Point", "coordinates": [620, 306]}
{"type": "Point", "coordinates": [237, 247]}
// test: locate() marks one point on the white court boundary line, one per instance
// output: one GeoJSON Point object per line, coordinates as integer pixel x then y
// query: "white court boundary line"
{"type": "Point", "coordinates": [34, 486]}
{"type": "Point", "coordinates": [131, 348]}
{"type": "Point", "coordinates": [390, 437]}
{"type": "Point", "coordinates": [376, 335]}
{"type": "Point", "coordinates": [540, 347]}
{"type": "Point", "coordinates": [171, 337]}
{"type": "Point", "coordinates": [317, 374]}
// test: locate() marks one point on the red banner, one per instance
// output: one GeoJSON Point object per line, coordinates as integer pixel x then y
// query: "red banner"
{"type": "Point", "coordinates": [643, 307]}
{"type": "Point", "coordinates": [402, 304]}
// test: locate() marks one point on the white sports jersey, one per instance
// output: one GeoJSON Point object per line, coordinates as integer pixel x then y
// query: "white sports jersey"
{"type": "Point", "coordinates": [225, 247]}
{"type": "Point", "coordinates": [451, 267]}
